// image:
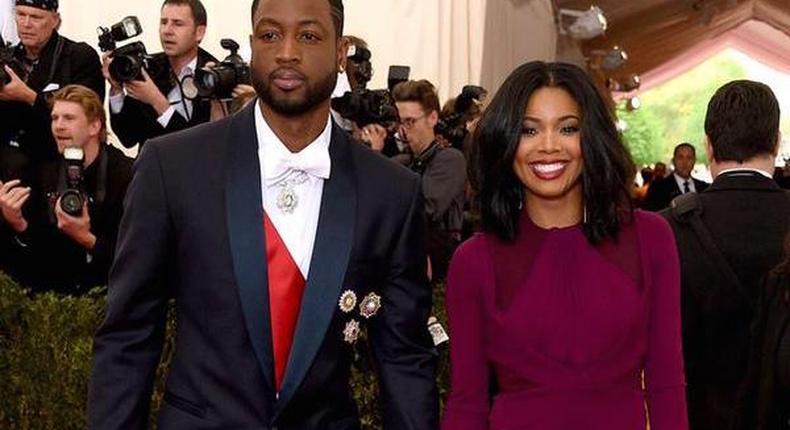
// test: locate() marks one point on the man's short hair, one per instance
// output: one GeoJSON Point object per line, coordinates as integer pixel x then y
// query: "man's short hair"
{"type": "Point", "coordinates": [742, 121]}
{"type": "Point", "coordinates": [338, 13]}
{"type": "Point", "coordinates": [684, 145]}
{"type": "Point", "coordinates": [422, 92]}
{"type": "Point", "coordinates": [89, 101]}
{"type": "Point", "coordinates": [196, 6]}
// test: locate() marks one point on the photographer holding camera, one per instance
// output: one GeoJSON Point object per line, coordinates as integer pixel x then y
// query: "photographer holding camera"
{"type": "Point", "coordinates": [41, 63]}
{"type": "Point", "coordinates": [154, 102]}
{"type": "Point", "coordinates": [443, 169]}
{"type": "Point", "coordinates": [65, 224]}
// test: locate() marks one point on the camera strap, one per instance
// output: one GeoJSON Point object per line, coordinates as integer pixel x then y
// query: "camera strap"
{"type": "Point", "coordinates": [53, 67]}
{"type": "Point", "coordinates": [420, 162]}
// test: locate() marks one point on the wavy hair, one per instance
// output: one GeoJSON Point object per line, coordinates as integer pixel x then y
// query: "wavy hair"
{"type": "Point", "coordinates": [608, 169]}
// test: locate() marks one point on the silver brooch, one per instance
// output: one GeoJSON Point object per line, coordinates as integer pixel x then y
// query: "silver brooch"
{"type": "Point", "coordinates": [287, 199]}
{"type": "Point", "coordinates": [348, 300]}
{"type": "Point", "coordinates": [351, 332]}
{"type": "Point", "coordinates": [370, 305]}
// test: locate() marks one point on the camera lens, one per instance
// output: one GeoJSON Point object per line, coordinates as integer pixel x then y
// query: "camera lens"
{"type": "Point", "coordinates": [125, 68]}
{"type": "Point", "coordinates": [71, 202]}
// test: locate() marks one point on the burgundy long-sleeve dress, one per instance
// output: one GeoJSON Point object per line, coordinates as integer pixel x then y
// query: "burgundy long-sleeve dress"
{"type": "Point", "coordinates": [566, 330]}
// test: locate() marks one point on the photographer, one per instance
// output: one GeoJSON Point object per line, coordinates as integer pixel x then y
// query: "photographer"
{"type": "Point", "coordinates": [66, 222]}
{"type": "Point", "coordinates": [156, 104]}
{"type": "Point", "coordinates": [443, 169]}
{"type": "Point", "coordinates": [43, 62]}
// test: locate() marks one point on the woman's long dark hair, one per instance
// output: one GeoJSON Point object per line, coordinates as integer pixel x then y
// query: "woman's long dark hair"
{"type": "Point", "coordinates": [608, 167]}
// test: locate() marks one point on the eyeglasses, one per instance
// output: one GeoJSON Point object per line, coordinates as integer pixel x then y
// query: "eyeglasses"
{"type": "Point", "coordinates": [409, 122]}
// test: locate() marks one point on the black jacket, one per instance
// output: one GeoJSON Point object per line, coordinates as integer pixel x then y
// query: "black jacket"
{"type": "Point", "coordinates": [45, 259]}
{"type": "Point", "coordinates": [136, 122]}
{"type": "Point", "coordinates": [25, 131]}
{"type": "Point", "coordinates": [661, 192]}
{"type": "Point", "coordinates": [200, 238]}
{"type": "Point", "coordinates": [746, 214]}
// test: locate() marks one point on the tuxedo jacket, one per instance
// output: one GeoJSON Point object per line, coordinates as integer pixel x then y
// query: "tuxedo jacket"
{"type": "Point", "coordinates": [137, 121]}
{"type": "Point", "coordinates": [661, 192]}
{"type": "Point", "coordinates": [193, 230]}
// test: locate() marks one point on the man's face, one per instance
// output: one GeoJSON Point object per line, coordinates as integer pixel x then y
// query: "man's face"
{"type": "Point", "coordinates": [296, 55]}
{"type": "Point", "coordinates": [35, 26]}
{"type": "Point", "coordinates": [417, 126]}
{"type": "Point", "coordinates": [177, 30]}
{"type": "Point", "coordinates": [71, 127]}
{"type": "Point", "coordinates": [684, 161]}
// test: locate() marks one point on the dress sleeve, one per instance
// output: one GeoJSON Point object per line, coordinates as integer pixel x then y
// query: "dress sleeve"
{"type": "Point", "coordinates": [664, 377]}
{"type": "Point", "coordinates": [468, 404]}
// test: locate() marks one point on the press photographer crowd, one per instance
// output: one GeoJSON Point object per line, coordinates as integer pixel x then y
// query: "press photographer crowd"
{"type": "Point", "coordinates": [388, 194]}
{"type": "Point", "coordinates": [63, 184]}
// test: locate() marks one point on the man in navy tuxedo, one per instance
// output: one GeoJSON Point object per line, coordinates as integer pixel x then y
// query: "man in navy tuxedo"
{"type": "Point", "coordinates": [281, 241]}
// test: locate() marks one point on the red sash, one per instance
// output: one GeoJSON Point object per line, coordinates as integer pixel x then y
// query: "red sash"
{"type": "Point", "coordinates": [286, 286]}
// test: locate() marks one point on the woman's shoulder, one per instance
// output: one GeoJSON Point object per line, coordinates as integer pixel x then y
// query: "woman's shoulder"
{"type": "Point", "coordinates": [472, 256]}
{"type": "Point", "coordinates": [651, 224]}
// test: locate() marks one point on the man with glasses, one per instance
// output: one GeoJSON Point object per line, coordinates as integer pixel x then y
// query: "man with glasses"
{"type": "Point", "coordinates": [443, 169]}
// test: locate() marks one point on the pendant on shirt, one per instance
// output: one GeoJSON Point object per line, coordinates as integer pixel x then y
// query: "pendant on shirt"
{"type": "Point", "coordinates": [287, 198]}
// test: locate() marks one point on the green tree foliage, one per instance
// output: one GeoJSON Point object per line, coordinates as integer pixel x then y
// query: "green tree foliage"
{"type": "Point", "coordinates": [675, 111]}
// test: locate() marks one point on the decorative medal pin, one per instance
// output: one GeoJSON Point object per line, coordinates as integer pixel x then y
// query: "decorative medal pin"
{"type": "Point", "coordinates": [370, 305]}
{"type": "Point", "coordinates": [348, 300]}
{"type": "Point", "coordinates": [351, 332]}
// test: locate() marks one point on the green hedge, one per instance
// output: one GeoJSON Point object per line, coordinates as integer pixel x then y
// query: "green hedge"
{"type": "Point", "coordinates": [45, 359]}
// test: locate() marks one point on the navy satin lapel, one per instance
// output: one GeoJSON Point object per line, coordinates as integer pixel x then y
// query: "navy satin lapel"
{"type": "Point", "coordinates": [328, 266]}
{"type": "Point", "coordinates": [247, 242]}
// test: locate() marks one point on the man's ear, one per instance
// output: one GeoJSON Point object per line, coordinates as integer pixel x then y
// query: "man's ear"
{"type": "Point", "coordinates": [200, 33]}
{"type": "Point", "coordinates": [709, 149]}
{"type": "Point", "coordinates": [342, 54]}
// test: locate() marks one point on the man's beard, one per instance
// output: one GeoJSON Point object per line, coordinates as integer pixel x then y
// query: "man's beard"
{"type": "Point", "coordinates": [315, 94]}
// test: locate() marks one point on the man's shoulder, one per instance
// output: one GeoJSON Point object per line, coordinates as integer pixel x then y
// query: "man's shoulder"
{"type": "Point", "coordinates": [451, 155]}
{"type": "Point", "coordinates": [202, 137]}
{"type": "Point", "coordinates": [372, 165]}
{"type": "Point", "coordinates": [78, 50]}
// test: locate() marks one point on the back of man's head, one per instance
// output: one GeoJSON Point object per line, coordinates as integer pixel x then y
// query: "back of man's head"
{"type": "Point", "coordinates": [742, 121]}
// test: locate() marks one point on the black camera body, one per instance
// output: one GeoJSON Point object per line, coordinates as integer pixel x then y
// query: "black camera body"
{"type": "Point", "coordinates": [366, 107]}
{"type": "Point", "coordinates": [72, 199]}
{"type": "Point", "coordinates": [129, 60]}
{"type": "Point", "coordinates": [219, 81]}
{"type": "Point", "coordinates": [453, 126]}
{"type": "Point", "coordinates": [7, 58]}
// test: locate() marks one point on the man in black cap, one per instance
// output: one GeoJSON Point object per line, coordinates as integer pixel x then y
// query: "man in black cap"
{"type": "Point", "coordinates": [44, 61]}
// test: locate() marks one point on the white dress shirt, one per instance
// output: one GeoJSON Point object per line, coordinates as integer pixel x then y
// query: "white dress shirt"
{"type": "Point", "coordinates": [746, 169]}
{"type": "Point", "coordinates": [177, 102]}
{"type": "Point", "coordinates": [297, 229]}
{"type": "Point", "coordinates": [682, 181]}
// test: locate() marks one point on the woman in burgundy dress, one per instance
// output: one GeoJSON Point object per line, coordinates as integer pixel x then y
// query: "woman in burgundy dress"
{"type": "Point", "coordinates": [568, 303]}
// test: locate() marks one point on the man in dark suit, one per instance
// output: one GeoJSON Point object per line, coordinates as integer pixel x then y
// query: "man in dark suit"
{"type": "Point", "coordinates": [279, 240]}
{"type": "Point", "coordinates": [663, 191]}
{"type": "Point", "coordinates": [746, 215]}
{"type": "Point", "coordinates": [157, 104]}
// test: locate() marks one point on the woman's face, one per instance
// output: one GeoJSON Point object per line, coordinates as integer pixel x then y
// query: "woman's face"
{"type": "Point", "coordinates": [549, 155]}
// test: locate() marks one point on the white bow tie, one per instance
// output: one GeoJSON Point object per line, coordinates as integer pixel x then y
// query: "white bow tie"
{"type": "Point", "coordinates": [316, 164]}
